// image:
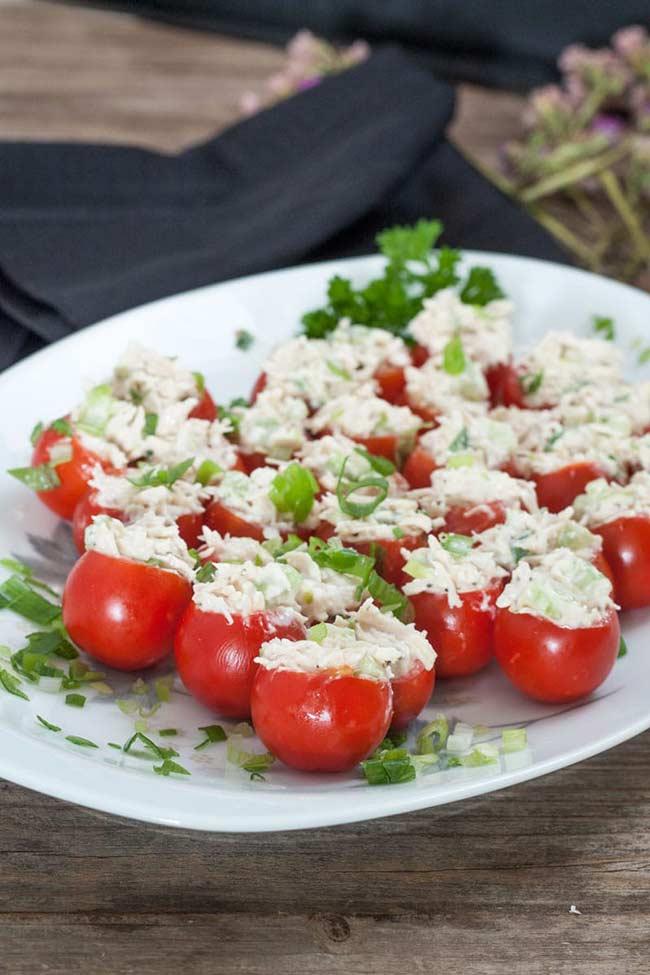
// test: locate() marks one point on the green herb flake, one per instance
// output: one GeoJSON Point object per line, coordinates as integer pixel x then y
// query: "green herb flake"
{"type": "Point", "coordinates": [41, 478]}
{"type": "Point", "coordinates": [35, 435]}
{"type": "Point", "coordinates": [150, 424]}
{"type": "Point", "coordinates": [530, 383]}
{"type": "Point", "coordinates": [453, 356]}
{"type": "Point", "coordinates": [11, 684]}
{"type": "Point", "coordinates": [199, 379]}
{"type": "Point", "coordinates": [244, 339]}
{"type": "Point", "coordinates": [81, 742]}
{"type": "Point", "coordinates": [481, 287]}
{"type": "Point", "coordinates": [62, 426]}
{"type": "Point", "coordinates": [162, 476]}
{"type": "Point", "coordinates": [604, 327]}
{"type": "Point", "coordinates": [213, 733]}
{"type": "Point", "coordinates": [170, 767]}
{"type": "Point", "coordinates": [390, 767]}
{"type": "Point", "coordinates": [622, 649]}
{"type": "Point", "coordinates": [293, 491]}
{"type": "Point", "coordinates": [389, 597]}
{"type": "Point", "coordinates": [253, 762]}
{"type": "Point", "coordinates": [206, 573]}
{"type": "Point", "coordinates": [460, 441]}
{"type": "Point", "coordinates": [207, 472]}
{"type": "Point", "coordinates": [168, 732]}
{"type": "Point", "coordinates": [644, 356]}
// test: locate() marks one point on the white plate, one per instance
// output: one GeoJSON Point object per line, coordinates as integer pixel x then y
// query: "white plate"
{"type": "Point", "coordinates": [200, 327]}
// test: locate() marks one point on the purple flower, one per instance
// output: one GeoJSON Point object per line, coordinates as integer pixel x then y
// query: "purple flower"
{"type": "Point", "coordinates": [611, 126]}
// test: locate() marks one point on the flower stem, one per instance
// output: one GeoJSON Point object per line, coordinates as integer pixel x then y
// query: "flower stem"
{"type": "Point", "coordinates": [572, 243]}
{"type": "Point", "coordinates": [574, 174]}
{"type": "Point", "coordinates": [610, 183]}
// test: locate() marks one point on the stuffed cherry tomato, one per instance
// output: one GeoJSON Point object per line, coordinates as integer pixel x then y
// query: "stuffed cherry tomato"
{"type": "Point", "coordinates": [558, 489]}
{"type": "Point", "coordinates": [73, 473]}
{"type": "Point", "coordinates": [215, 654]}
{"type": "Point", "coordinates": [323, 720]}
{"type": "Point", "coordinates": [411, 693]}
{"type": "Point", "coordinates": [243, 505]}
{"type": "Point", "coordinates": [419, 467]}
{"type": "Point", "coordinates": [503, 384]}
{"type": "Point", "coordinates": [626, 548]}
{"type": "Point", "coordinates": [557, 633]}
{"type": "Point", "coordinates": [453, 590]}
{"type": "Point", "coordinates": [382, 428]}
{"type": "Point", "coordinates": [122, 612]}
{"type": "Point", "coordinates": [474, 519]}
{"type": "Point", "coordinates": [85, 511]}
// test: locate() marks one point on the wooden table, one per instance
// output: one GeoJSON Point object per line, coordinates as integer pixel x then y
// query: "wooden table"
{"type": "Point", "coordinates": [481, 888]}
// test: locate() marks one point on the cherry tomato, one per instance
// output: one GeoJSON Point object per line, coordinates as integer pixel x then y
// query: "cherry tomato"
{"type": "Point", "coordinates": [391, 380]}
{"type": "Point", "coordinates": [74, 474]}
{"type": "Point", "coordinates": [424, 412]}
{"type": "Point", "coordinates": [226, 522]}
{"type": "Point", "coordinates": [419, 467]}
{"type": "Point", "coordinates": [387, 551]}
{"type": "Point", "coordinates": [83, 515]}
{"type": "Point", "coordinates": [419, 355]}
{"type": "Point", "coordinates": [626, 547]}
{"type": "Point", "coordinates": [251, 462]}
{"type": "Point", "coordinates": [555, 664]}
{"type": "Point", "coordinates": [511, 392]}
{"type": "Point", "coordinates": [190, 527]}
{"type": "Point", "coordinates": [259, 387]}
{"type": "Point", "coordinates": [324, 722]}
{"type": "Point", "coordinates": [205, 409]}
{"type": "Point", "coordinates": [215, 656]}
{"type": "Point", "coordinates": [411, 694]}
{"type": "Point", "coordinates": [558, 489]}
{"type": "Point", "coordinates": [474, 519]}
{"type": "Point", "coordinates": [121, 612]}
{"type": "Point", "coordinates": [462, 636]}
{"type": "Point", "coordinates": [502, 382]}
{"type": "Point", "coordinates": [387, 446]}
{"type": "Point", "coordinates": [600, 562]}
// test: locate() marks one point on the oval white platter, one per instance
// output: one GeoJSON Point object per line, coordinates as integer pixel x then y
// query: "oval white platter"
{"type": "Point", "coordinates": [200, 328]}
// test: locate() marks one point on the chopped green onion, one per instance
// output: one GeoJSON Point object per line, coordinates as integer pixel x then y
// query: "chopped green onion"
{"type": "Point", "coordinates": [206, 573]}
{"type": "Point", "coordinates": [622, 649]}
{"type": "Point", "coordinates": [389, 597]}
{"type": "Point", "coordinates": [41, 478]}
{"type": "Point", "coordinates": [531, 383]}
{"type": "Point", "coordinates": [199, 379]}
{"type": "Point", "coordinates": [519, 553]}
{"type": "Point", "coordinates": [165, 476]}
{"type": "Point", "coordinates": [318, 632]}
{"type": "Point", "coordinates": [82, 742]}
{"type": "Point", "coordinates": [46, 724]}
{"type": "Point", "coordinates": [514, 739]}
{"type": "Point", "coordinates": [277, 548]}
{"type": "Point", "coordinates": [390, 767]}
{"type": "Point", "coordinates": [604, 326]}
{"type": "Point", "coordinates": [460, 441]}
{"type": "Point", "coordinates": [293, 491]}
{"type": "Point", "coordinates": [360, 509]}
{"type": "Point", "coordinates": [398, 533]}
{"type": "Point", "coordinates": [163, 687]}
{"type": "Point", "coordinates": [213, 733]}
{"type": "Point", "coordinates": [644, 356]}
{"type": "Point", "coordinates": [96, 411]}
{"type": "Point", "coordinates": [62, 426]}
{"type": "Point", "coordinates": [151, 746]}
{"type": "Point", "coordinates": [457, 545]}
{"type": "Point", "coordinates": [461, 460]}
{"type": "Point", "coordinates": [381, 465]}
{"type": "Point", "coordinates": [552, 440]}
{"type": "Point", "coordinates": [433, 737]}
{"type": "Point", "coordinates": [75, 700]}
{"type": "Point", "coordinates": [243, 339]}
{"type": "Point", "coordinates": [341, 373]}
{"type": "Point", "coordinates": [35, 435]}
{"type": "Point", "coordinates": [150, 424]}
{"type": "Point", "coordinates": [207, 472]}
{"type": "Point", "coordinates": [17, 594]}
{"type": "Point", "coordinates": [479, 756]}
{"type": "Point", "coordinates": [453, 356]}
{"type": "Point", "coordinates": [168, 767]}
{"type": "Point", "coordinates": [254, 762]}
{"type": "Point", "coordinates": [346, 561]}
{"type": "Point", "coordinates": [167, 732]}
{"type": "Point", "coordinates": [11, 684]}
{"type": "Point", "coordinates": [113, 744]}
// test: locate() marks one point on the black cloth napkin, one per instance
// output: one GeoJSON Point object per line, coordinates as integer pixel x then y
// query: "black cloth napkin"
{"type": "Point", "coordinates": [506, 43]}
{"type": "Point", "coordinates": [87, 230]}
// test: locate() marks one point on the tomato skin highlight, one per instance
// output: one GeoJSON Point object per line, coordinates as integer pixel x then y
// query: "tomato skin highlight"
{"type": "Point", "coordinates": [323, 722]}
{"type": "Point", "coordinates": [226, 522]}
{"type": "Point", "coordinates": [391, 381]}
{"type": "Point", "coordinates": [123, 613]}
{"type": "Point", "coordinates": [73, 474]}
{"type": "Point", "coordinates": [215, 657]}
{"type": "Point", "coordinates": [626, 547]}
{"type": "Point", "coordinates": [411, 694]}
{"type": "Point", "coordinates": [205, 409]}
{"type": "Point", "coordinates": [555, 664]}
{"type": "Point", "coordinates": [474, 519]}
{"type": "Point", "coordinates": [419, 467]}
{"type": "Point", "coordinates": [462, 636]}
{"type": "Point", "coordinates": [558, 489]}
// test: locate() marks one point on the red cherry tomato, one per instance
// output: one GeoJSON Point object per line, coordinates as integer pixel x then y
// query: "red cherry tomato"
{"type": "Point", "coordinates": [259, 387]}
{"type": "Point", "coordinates": [626, 547]}
{"type": "Point", "coordinates": [419, 467]}
{"type": "Point", "coordinates": [226, 522]}
{"type": "Point", "coordinates": [324, 722]}
{"type": "Point", "coordinates": [121, 612]}
{"type": "Point", "coordinates": [251, 462]}
{"type": "Point", "coordinates": [462, 636]}
{"type": "Point", "coordinates": [391, 380]}
{"type": "Point", "coordinates": [419, 355]}
{"type": "Point", "coordinates": [386, 446]}
{"type": "Point", "coordinates": [411, 694]}
{"type": "Point", "coordinates": [510, 388]}
{"type": "Point", "coordinates": [560, 488]}
{"type": "Point", "coordinates": [84, 513]}
{"type": "Point", "coordinates": [600, 562]}
{"type": "Point", "coordinates": [215, 656]}
{"type": "Point", "coordinates": [474, 519]}
{"type": "Point", "coordinates": [555, 664]}
{"type": "Point", "coordinates": [190, 527]}
{"type": "Point", "coordinates": [502, 380]}
{"type": "Point", "coordinates": [73, 474]}
{"type": "Point", "coordinates": [424, 412]}
{"type": "Point", "coordinates": [205, 409]}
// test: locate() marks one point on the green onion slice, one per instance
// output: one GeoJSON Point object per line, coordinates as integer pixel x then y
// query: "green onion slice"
{"type": "Point", "coordinates": [457, 545]}
{"type": "Point", "coordinates": [453, 356]}
{"type": "Point", "coordinates": [213, 733]}
{"type": "Point", "coordinates": [389, 597]}
{"type": "Point", "coordinates": [208, 470]}
{"type": "Point", "coordinates": [11, 684]}
{"type": "Point", "coordinates": [346, 489]}
{"type": "Point", "coordinates": [47, 724]}
{"type": "Point", "coordinates": [41, 478]}
{"type": "Point", "coordinates": [293, 491]}
{"type": "Point", "coordinates": [96, 410]}
{"type": "Point", "coordinates": [382, 465]}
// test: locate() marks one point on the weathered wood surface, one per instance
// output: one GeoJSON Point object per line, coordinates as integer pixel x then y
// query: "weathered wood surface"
{"type": "Point", "coordinates": [482, 888]}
